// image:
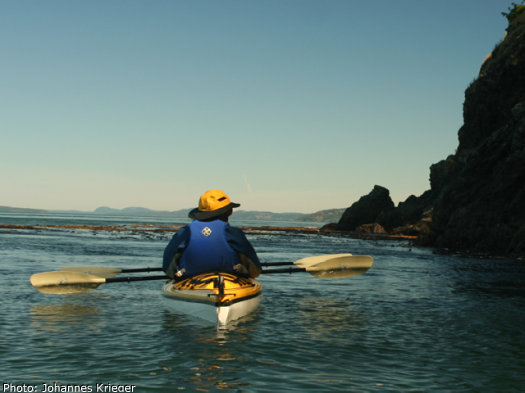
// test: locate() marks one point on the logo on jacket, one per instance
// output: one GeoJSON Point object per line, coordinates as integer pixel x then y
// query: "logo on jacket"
{"type": "Point", "coordinates": [206, 231]}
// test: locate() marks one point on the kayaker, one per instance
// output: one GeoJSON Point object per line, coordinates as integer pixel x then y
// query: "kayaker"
{"type": "Point", "coordinates": [209, 243]}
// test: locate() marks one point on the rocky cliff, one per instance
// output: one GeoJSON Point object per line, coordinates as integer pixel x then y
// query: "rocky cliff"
{"type": "Point", "coordinates": [480, 190]}
{"type": "Point", "coordinates": [476, 202]}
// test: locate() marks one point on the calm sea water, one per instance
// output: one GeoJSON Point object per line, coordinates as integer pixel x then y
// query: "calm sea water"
{"type": "Point", "coordinates": [416, 322]}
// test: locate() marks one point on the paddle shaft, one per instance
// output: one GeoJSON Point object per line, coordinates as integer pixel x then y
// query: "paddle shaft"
{"type": "Point", "coordinates": [147, 278]}
{"type": "Point", "coordinates": [282, 270]}
{"type": "Point", "coordinates": [129, 279]}
{"type": "Point", "coordinates": [276, 263]}
{"type": "Point", "coordinates": [159, 269]}
{"type": "Point", "coordinates": [285, 270]}
{"type": "Point", "coordinates": [142, 269]}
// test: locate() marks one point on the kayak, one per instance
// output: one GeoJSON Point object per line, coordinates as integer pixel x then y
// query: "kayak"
{"type": "Point", "coordinates": [216, 297]}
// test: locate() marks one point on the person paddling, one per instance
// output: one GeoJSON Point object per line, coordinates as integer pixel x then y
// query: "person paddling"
{"type": "Point", "coordinates": [209, 243]}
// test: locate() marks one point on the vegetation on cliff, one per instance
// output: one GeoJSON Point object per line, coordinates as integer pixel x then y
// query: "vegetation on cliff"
{"type": "Point", "coordinates": [514, 11]}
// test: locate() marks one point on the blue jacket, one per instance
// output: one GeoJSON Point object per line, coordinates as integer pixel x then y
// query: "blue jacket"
{"type": "Point", "coordinates": [204, 246]}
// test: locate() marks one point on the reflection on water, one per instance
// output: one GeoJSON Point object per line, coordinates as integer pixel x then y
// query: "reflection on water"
{"type": "Point", "coordinates": [55, 317]}
{"type": "Point", "coordinates": [218, 355]}
{"type": "Point", "coordinates": [330, 319]}
{"type": "Point", "coordinates": [195, 329]}
{"type": "Point", "coordinates": [210, 374]}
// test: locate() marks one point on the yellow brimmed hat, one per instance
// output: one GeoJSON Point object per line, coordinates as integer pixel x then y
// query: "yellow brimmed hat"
{"type": "Point", "coordinates": [212, 203]}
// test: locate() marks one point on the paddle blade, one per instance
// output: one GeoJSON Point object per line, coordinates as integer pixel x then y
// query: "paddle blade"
{"type": "Point", "coordinates": [341, 266]}
{"type": "Point", "coordinates": [310, 261]}
{"type": "Point", "coordinates": [64, 282]}
{"type": "Point", "coordinates": [100, 271]}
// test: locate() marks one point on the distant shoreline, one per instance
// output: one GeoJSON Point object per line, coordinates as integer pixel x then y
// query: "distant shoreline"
{"type": "Point", "coordinates": [7, 209]}
{"type": "Point", "coordinates": [150, 228]}
{"type": "Point", "coordinates": [324, 216]}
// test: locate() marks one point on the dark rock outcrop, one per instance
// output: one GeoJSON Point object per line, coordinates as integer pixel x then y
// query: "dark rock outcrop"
{"type": "Point", "coordinates": [376, 213]}
{"type": "Point", "coordinates": [369, 229]}
{"type": "Point", "coordinates": [368, 209]}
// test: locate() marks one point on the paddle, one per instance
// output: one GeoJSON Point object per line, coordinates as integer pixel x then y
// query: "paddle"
{"type": "Point", "coordinates": [108, 272]}
{"type": "Point", "coordinates": [64, 282]}
{"type": "Point", "coordinates": [338, 266]}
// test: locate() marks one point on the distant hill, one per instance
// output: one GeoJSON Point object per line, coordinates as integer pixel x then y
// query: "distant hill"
{"type": "Point", "coordinates": [183, 213]}
{"type": "Point", "coordinates": [323, 216]}
{"type": "Point", "coordinates": [140, 211]}
{"type": "Point", "coordinates": [7, 209]}
{"type": "Point", "coordinates": [331, 215]}
{"type": "Point", "coordinates": [261, 215]}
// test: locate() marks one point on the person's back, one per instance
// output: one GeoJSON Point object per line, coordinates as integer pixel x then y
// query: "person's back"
{"type": "Point", "coordinates": [209, 243]}
{"type": "Point", "coordinates": [208, 249]}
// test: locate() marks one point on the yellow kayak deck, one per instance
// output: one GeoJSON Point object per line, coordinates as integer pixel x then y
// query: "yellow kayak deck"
{"type": "Point", "coordinates": [220, 289]}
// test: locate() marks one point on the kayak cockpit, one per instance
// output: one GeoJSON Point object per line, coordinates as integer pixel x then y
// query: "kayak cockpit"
{"type": "Point", "coordinates": [219, 297]}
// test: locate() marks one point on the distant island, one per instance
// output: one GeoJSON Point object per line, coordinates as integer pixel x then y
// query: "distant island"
{"type": "Point", "coordinates": [323, 216]}
{"type": "Point", "coordinates": [7, 209]}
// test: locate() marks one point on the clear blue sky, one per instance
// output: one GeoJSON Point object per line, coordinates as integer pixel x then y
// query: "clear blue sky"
{"type": "Point", "coordinates": [287, 105]}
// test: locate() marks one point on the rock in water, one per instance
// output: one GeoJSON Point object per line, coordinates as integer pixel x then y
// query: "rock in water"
{"type": "Point", "coordinates": [367, 209]}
